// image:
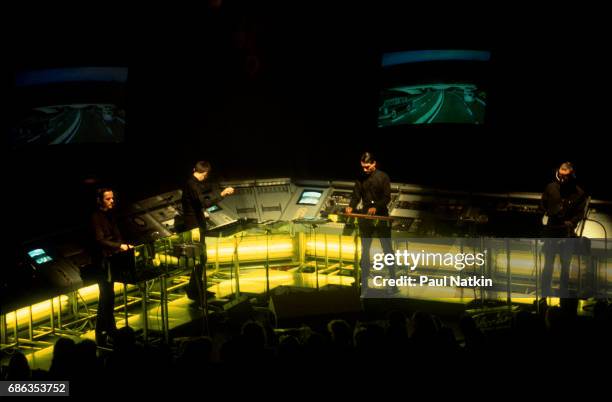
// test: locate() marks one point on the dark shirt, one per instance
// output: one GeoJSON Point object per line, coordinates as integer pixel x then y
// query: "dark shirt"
{"type": "Point", "coordinates": [373, 190]}
{"type": "Point", "coordinates": [197, 196]}
{"type": "Point", "coordinates": [563, 203]}
{"type": "Point", "coordinates": [107, 238]}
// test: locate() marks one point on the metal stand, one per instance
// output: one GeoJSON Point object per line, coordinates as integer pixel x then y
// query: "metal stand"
{"type": "Point", "coordinates": [142, 286]}
{"type": "Point", "coordinates": [125, 304]}
{"type": "Point", "coordinates": [312, 223]}
{"type": "Point", "coordinates": [316, 259]}
{"type": "Point", "coordinates": [194, 252]}
{"type": "Point", "coordinates": [357, 273]}
{"type": "Point", "coordinates": [164, 308]}
{"type": "Point", "coordinates": [387, 219]}
{"type": "Point", "coordinates": [508, 275]}
{"type": "Point", "coordinates": [313, 231]}
{"type": "Point", "coordinates": [268, 232]}
{"type": "Point", "coordinates": [236, 267]}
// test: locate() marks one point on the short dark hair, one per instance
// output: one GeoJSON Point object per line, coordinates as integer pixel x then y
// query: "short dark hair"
{"type": "Point", "coordinates": [368, 157]}
{"type": "Point", "coordinates": [100, 194]}
{"type": "Point", "coordinates": [202, 166]}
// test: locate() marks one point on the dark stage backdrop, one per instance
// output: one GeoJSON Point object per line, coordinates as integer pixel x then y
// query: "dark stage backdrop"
{"type": "Point", "coordinates": [268, 92]}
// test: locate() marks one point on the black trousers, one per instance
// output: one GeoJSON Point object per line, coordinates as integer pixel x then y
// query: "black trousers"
{"type": "Point", "coordinates": [368, 231]}
{"type": "Point", "coordinates": [197, 287]}
{"type": "Point", "coordinates": [105, 319]}
{"type": "Point", "coordinates": [565, 248]}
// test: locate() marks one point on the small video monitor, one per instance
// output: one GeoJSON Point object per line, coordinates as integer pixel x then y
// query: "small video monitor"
{"type": "Point", "coordinates": [310, 197]}
{"type": "Point", "coordinates": [39, 256]}
{"type": "Point", "coordinates": [213, 208]}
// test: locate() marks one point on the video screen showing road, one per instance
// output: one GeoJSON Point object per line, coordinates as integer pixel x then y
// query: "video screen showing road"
{"type": "Point", "coordinates": [438, 86]}
{"type": "Point", "coordinates": [68, 105]}
{"type": "Point", "coordinates": [432, 103]}
{"type": "Point", "coordinates": [71, 124]}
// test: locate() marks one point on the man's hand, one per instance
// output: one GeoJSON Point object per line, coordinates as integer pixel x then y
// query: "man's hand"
{"type": "Point", "coordinates": [372, 211]}
{"type": "Point", "coordinates": [126, 247]}
{"type": "Point", "coordinates": [348, 210]}
{"type": "Point", "coordinates": [227, 191]}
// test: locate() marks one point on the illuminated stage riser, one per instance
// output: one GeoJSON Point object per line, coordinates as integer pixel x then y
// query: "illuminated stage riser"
{"type": "Point", "coordinates": [522, 262]}
{"type": "Point", "coordinates": [41, 311]}
{"type": "Point", "coordinates": [333, 248]}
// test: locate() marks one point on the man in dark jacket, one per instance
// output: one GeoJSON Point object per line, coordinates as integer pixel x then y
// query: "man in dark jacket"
{"type": "Point", "coordinates": [564, 204]}
{"type": "Point", "coordinates": [198, 195]}
{"type": "Point", "coordinates": [107, 242]}
{"type": "Point", "coordinates": [373, 191]}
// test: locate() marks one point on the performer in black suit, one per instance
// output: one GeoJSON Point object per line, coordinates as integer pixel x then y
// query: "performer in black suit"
{"type": "Point", "coordinates": [564, 204]}
{"type": "Point", "coordinates": [107, 243]}
{"type": "Point", "coordinates": [198, 195]}
{"type": "Point", "coordinates": [373, 190]}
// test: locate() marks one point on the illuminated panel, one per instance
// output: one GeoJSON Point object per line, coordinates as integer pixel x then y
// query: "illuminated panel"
{"type": "Point", "coordinates": [39, 256]}
{"type": "Point", "coordinates": [41, 311]}
{"type": "Point", "coordinates": [334, 247]}
{"type": "Point", "coordinates": [251, 248]}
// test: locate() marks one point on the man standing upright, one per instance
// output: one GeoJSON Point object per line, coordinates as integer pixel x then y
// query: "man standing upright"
{"type": "Point", "coordinates": [198, 195]}
{"type": "Point", "coordinates": [373, 191]}
{"type": "Point", "coordinates": [564, 204]}
{"type": "Point", "coordinates": [107, 242]}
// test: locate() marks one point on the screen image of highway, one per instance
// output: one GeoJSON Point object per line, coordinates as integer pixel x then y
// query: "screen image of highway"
{"type": "Point", "coordinates": [432, 103]}
{"type": "Point", "coordinates": [70, 124]}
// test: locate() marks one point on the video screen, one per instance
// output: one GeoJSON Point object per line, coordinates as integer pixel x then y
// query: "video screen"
{"type": "Point", "coordinates": [69, 106]}
{"type": "Point", "coordinates": [71, 124]}
{"type": "Point", "coordinates": [39, 256]}
{"type": "Point", "coordinates": [310, 197]}
{"type": "Point", "coordinates": [436, 86]}
{"type": "Point", "coordinates": [213, 208]}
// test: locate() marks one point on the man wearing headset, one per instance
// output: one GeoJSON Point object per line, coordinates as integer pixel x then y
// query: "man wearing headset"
{"type": "Point", "coordinates": [564, 204]}
{"type": "Point", "coordinates": [107, 242]}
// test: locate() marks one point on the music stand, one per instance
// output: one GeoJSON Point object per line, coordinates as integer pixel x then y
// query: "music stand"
{"type": "Point", "coordinates": [357, 216]}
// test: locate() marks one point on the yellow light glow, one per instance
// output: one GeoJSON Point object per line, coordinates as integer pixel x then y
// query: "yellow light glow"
{"type": "Point", "coordinates": [251, 249]}
{"type": "Point", "coordinates": [333, 247]}
{"type": "Point", "coordinates": [278, 247]}
{"type": "Point", "coordinates": [42, 310]}
{"type": "Point", "coordinates": [195, 234]}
